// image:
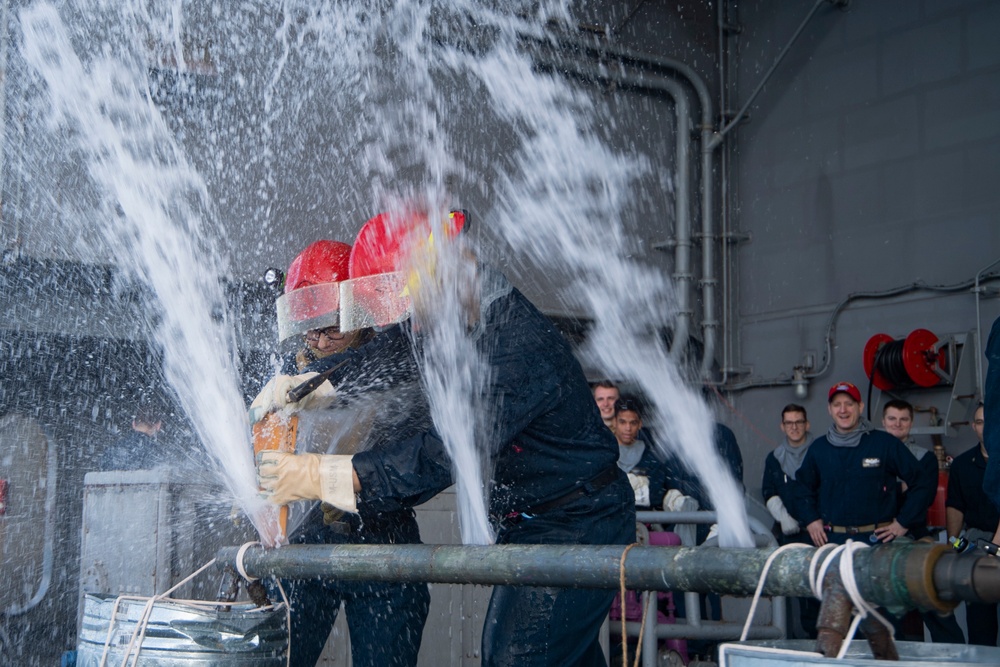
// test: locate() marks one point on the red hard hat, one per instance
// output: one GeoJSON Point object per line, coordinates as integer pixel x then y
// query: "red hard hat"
{"type": "Point", "coordinates": [321, 262]}
{"type": "Point", "coordinates": [377, 293]}
{"type": "Point", "coordinates": [312, 289]}
{"type": "Point", "coordinates": [381, 241]}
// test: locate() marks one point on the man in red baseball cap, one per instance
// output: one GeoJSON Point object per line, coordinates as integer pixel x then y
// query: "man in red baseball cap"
{"type": "Point", "coordinates": [847, 482]}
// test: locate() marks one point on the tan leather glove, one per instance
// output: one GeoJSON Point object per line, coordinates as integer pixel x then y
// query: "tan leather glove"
{"type": "Point", "coordinates": [284, 478]}
{"type": "Point", "coordinates": [274, 395]}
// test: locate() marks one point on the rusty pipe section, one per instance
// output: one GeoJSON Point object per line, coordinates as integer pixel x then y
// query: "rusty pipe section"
{"type": "Point", "coordinates": [913, 575]}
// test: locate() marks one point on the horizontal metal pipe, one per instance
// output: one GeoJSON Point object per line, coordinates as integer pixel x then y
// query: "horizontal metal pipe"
{"type": "Point", "coordinates": [909, 575]}
{"type": "Point", "coordinates": [707, 630]}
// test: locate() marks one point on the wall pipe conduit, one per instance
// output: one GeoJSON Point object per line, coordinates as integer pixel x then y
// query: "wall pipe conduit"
{"type": "Point", "coordinates": [648, 64]}
{"type": "Point", "coordinates": [911, 575]}
{"type": "Point", "coordinates": [682, 207]}
{"type": "Point", "coordinates": [710, 141]}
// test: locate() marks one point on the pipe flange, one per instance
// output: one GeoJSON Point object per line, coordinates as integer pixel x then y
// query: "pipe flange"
{"type": "Point", "coordinates": [918, 571]}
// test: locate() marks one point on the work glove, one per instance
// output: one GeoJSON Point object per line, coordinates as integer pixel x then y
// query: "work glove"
{"type": "Point", "coordinates": [331, 514]}
{"type": "Point", "coordinates": [789, 526]}
{"type": "Point", "coordinates": [675, 501]}
{"type": "Point", "coordinates": [274, 395]}
{"type": "Point", "coordinates": [284, 478]}
{"type": "Point", "coordinates": [640, 486]}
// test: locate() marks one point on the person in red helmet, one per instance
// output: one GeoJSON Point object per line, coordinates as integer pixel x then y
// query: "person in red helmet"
{"type": "Point", "coordinates": [385, 620]}
{"type": "Point", "coordinates": [312, 299]}
{"type": "Point", "coordinates": [555, 478]}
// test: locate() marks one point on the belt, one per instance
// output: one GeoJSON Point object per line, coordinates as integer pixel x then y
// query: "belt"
{"type": "Point", "coordinates": [591, 487]}
{"type": "Point", "coordinates": [854, 530]}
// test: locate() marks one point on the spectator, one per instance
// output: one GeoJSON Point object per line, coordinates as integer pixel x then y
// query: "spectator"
{"type": "Point", "coordinates": [777, 487]}
{"type": "Point", "coordinates": [780, 467]}
{"type": "Point", "coordinates": [847, 481]}
{"type": "Point", "coordinates": [646, 472]}
{"type": "Point", "coordinates": [991, 416]}
{"type": "Point", "coordinates": [968, 508]}
{"type": "Point", "coordinates": [139, 449]}
{"type": "Point", "coordinates": [687, 483]}
{"type": "Point", "coordinates": [606, 394]}
{"type": "Point", "coordinates": [897, 420]}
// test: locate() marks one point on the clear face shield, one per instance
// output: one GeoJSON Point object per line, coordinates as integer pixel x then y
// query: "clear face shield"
{"type": "Point", "coordinates": [308, 308]}
{"type": "Point", "coordinates": [374, 301]}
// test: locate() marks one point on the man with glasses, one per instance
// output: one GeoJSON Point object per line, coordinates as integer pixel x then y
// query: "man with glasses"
{"type": "Point", "coordinates": [968, 508]}
{"type": "Point", "coordinates": [780, 468]}
{"type": "Point", "coordinates": [385, 620]}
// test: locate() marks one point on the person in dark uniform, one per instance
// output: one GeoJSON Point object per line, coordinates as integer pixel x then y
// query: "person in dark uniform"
{"type": "Point", "coordinates": [991, 417]}
{"type": "Point", "coordinates": [846, 485]}
{"type": "Point", "coordinates": [555, 474]}
{"type": "Point", "coordinates": [897, 420]}
{"type": "Point", "coordinates": [646, 472]}
{"type": "Point", "coordinates": [969, 509]}
{"type": "Point", "coordinates": [777, 485]}
{"type": "Point", "coordinates": [780, 467]}
{"type": "Point", "coordinates": [686, 482]}
{"type": "Point", "coordinates": [138, 450]}
{"type": "Point", "coordinates": [385, 619]}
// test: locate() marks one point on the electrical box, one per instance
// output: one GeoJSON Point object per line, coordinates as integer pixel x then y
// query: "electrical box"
{"type": "Point", "coordinates": [145, 530]}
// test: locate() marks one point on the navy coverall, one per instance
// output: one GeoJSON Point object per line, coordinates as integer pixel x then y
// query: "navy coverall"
{"type": "Point", "coordinates": [655, 471]}
{"type": "Point", "coordinates": [385, 619]}
{"type": "Point", "coordinates": [685, 481]}
{"type": "Point", "coordinates": [991, 416]}
{"type": "Point", "coordinates": [852, 487]}
{"type": "Point", "coordinates": [555, 481]}
{"type": "Point", "coordinates": [777, 483]}
{"type": "Point", "coordinates": [965, 494]}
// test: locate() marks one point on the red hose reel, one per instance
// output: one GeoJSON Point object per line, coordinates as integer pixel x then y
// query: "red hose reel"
{"type": "Point", "coordinates": [913, 361]}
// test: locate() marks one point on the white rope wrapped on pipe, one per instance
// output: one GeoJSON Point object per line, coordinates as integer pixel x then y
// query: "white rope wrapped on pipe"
{"type": "Point", "coordinates": [818, 566]}
{"type": "Point", "coordinates": [139, 633]}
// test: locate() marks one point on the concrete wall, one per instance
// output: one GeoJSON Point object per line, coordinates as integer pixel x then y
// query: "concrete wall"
{"type": "Point", "coordinates": [870, 162]}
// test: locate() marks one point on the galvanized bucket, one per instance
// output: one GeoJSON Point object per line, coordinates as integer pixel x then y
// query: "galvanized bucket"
{"type": "Point", "coordinates": [795, 653]}
{"type": "Point", "coordinates": [182, 636]}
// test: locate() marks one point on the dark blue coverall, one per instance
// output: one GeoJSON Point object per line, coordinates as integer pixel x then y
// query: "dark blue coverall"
{"type": "Point", "coordinates": [555, 481]}
{"type": "Point", "coordinates": [965, 494]}
{"type": "Point", "coordinates": [854, 487]}
{"type": "Point", "coordinates": [385, 619]}
{"type": "Point", "coordinates": [943, 629]}
{"type": "Point", "coordinates": [991, 415]}
{"type": "Point", "coordinates": [655, 470]}
{"type": "Point", "coordinates": [685, 481]}
{"type": "Point", "coordinates": [776, 483]}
